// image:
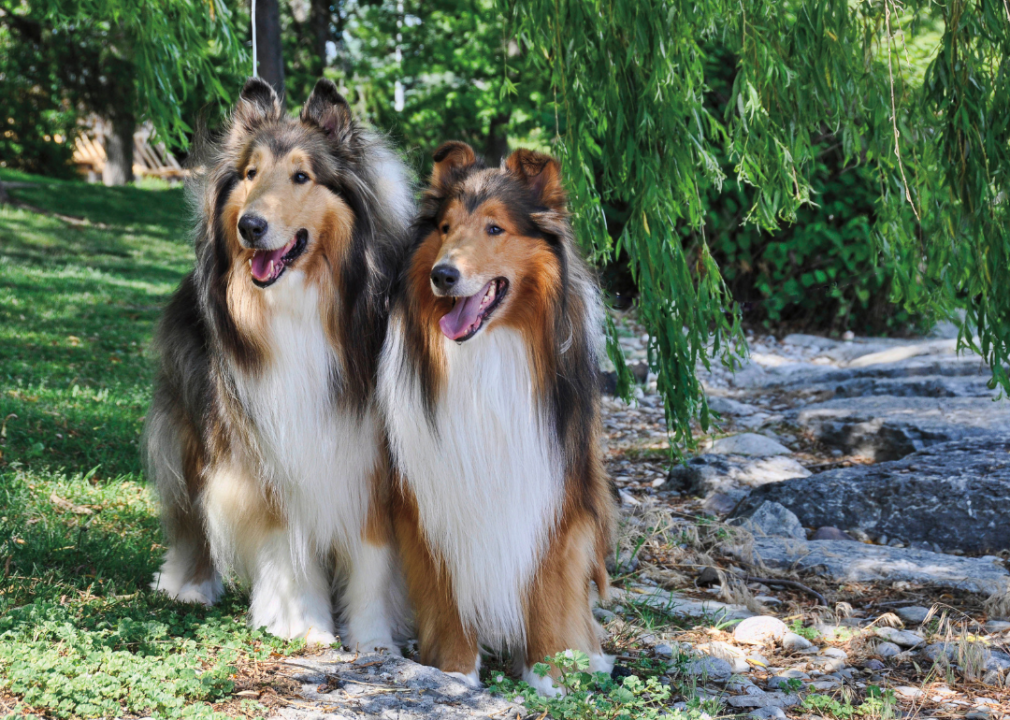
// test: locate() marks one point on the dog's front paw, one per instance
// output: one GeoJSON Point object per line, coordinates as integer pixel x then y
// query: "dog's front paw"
{"type": "Point", "coordinates": [381, 644]}
{"type": "Point", "coordinates": [543, 685]}
{"type": "Point", "coordinates": [472, 679]}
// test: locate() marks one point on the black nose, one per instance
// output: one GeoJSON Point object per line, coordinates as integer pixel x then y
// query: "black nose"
{"type": "Point", "coordinates": [444, 277]}
{"type": "Point", "coordinates": [252, 227]}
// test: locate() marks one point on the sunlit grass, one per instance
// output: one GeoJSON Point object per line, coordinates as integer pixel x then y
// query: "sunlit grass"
{"type": "Point", "coordinates": [80, 633]}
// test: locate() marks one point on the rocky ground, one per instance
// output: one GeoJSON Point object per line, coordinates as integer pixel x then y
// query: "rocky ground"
{"type": "Point", "coordinates": [835, 548]}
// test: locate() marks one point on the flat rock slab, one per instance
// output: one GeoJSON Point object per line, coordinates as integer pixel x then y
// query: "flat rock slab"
{"type": "Point", "coordinates": [706, 474]}
{"type": "Point", "coordinates": [354, 687]}
{"type": "Point", "coordinates": [805, 374]}
{"type": "Point", "coordinates": [953, 495]}
{"type": "Point", "coordinates": [857, 562]}
{"type": "Point", "coordinates": [678, 605]}
{"type": "Point", "coordinates": [889, 428]}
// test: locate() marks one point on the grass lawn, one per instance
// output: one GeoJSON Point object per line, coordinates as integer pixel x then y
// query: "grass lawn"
{"type": "Point", "coordinates": [80, 634]}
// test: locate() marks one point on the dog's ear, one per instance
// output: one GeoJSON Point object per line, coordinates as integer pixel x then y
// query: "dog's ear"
{"type": "Point", "coordinates": [541, 174]}
{"type": "Point", "coordinates": [449, 157]}
{"type": "Point", "coordinates": [257, 104]}
{"type": "Point", "coordinates": [327, 109]}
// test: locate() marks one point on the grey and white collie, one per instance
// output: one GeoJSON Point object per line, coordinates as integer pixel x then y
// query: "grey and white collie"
{"type": "Point", "coordinates": [262, 437]}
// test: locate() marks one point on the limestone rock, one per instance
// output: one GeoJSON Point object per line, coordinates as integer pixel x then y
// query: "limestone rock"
{"type": "Point", "coordinates": [760, 630]}
{"type": "Point", "coordinates": [750, 444]}
{"type": "Point", "coordinates": [913, 614]}
{"type": "Point", "coordinates": [421, 693]}
{"type": "Point", "coordinates": [953, 495]}
{"type": "Point", "coordinates": [857, 562]}
{"type": "Point", "coordinates": [771, 519]}
{"type": "Point", "coordinates": [902, 638]}
{"type": "Point", "coordinates": [889, 428]}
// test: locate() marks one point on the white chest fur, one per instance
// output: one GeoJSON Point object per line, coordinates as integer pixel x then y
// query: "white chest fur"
{"type": "Point", "coordinates": [317, 458]}
{"type": "Point", "coordinates": [487, 475]}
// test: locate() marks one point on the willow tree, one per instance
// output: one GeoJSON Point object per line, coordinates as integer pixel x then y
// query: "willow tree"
{"type": "Point", "coordinates": [629, 80]}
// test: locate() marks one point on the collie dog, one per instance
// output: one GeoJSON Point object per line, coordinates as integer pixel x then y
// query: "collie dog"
{"type": "Point", "coordinates": [488, 385]}
{"type": "Point", "coordinates": [262, 438]}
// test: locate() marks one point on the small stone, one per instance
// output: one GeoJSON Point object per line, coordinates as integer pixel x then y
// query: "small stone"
{"type": "Point", "coordinates": [887, 650]}
{"type": "Point", "coordinates": [750, 444]}
{"type": "Point", "coordinates": [994, 678]}
{"type": "Point", "coordinates": [997, 626]}
{"type": "Point", "coordinates": [848, 336]}
{"type": "Point", "coordinates": [758, 659]}
{"type": "Point", "coordinates": [913, 614]}
{"type": "Point", "coordinates": [825, 685]}
{"type": "Point", "coordinates": [831, 533]}
{"type": "Point", "coordinates": [768, 713]}
{"type": "Point", "coordinates": [759, 630]}
{"type": "Point", "coordinates": [784, 682]}
{"type": "Point", "coordinates": [792, 642]}
{"type": "Point", "coordinates": [773, 699]}
{"type": "Point", "coordinates": [709, 668]}
{"type": "Point", "coordinates": [828, 664]}
{"type": "Point", "coordinates": [873, 663]}
{"type": "Point", "coordinates": [904, 638]}
{"type": "Point", "coordinates": [744, 686]}
{"type": "Point", "coordinates": [834, 653]}
{"type": "Point", "coordinates": [772, 519]}
{"type": "Point", "coordinates": [708, 576]}
{"type": "Point", "coordinates": [604, 615]}
{"type": "Point", "coordinates": [978, 714]}
{"type": "Point", "coordinates": [663, 650]}
{"type": "Point", "coordinates": [909, 692]}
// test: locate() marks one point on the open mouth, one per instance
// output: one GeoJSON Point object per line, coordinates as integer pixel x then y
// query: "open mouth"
{"type": "Point", "coordinates": [266, 266]}
{"type": "Point", "coordinates": [469, 314]}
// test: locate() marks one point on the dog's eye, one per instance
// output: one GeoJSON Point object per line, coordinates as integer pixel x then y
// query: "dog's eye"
{"type": "Point", "coordinates": [250, 173]}
{"type": "Point", "coordinates": [494, 230]}
{"type": "Point", "coordinates": [445, 229]}
{"type": "Point", "coordinates": [300, 178]}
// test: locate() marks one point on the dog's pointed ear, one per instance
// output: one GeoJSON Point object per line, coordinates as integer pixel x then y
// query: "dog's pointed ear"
{"type": "Point", "coordinates": [541, 174]}
{"type": "Point", "coordinates": [327, 109]}
{"type": "Point", "coordinates": [257, 104]}
{"type": "Point", "coordinates": [450, 156]}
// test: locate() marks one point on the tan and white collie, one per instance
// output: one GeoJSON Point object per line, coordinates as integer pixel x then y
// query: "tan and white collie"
{"type": "Point", "coordinates": [262, 438]}
{"type": "Point", "coordinates": [488, 385]}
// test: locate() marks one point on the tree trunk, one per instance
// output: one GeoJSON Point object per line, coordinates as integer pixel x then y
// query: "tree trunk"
{"type": "Point", "coordinates": [4, 197]}
{"type": "Point", "coordinates": [319, 21]}
{"type": "Point", "coordinates": [269, 53]}
{"type": "Point", "coordinates": [497, 145]}
{"type": "Point", "coordinates": [118, 142]}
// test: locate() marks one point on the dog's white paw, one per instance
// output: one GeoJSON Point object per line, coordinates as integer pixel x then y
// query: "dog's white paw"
{"type": "Point", "coordinates": [600, 662]}
{"type": "Point", "coordinates": [380, 644]}
{"type": "Point", "coordinates": [319, 637]}
{"type": "Point", "coordinates": [543, 685]}
{"type": "Point", "coordinates": [472, 679]}
{"type": "Point", "coordinates": [207, 592]}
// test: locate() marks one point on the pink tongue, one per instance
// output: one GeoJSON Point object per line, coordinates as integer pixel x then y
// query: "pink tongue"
{"type": "Point", "coordinates": [456, 323]}
{"type": "Point", "coordinates": [261, 262]}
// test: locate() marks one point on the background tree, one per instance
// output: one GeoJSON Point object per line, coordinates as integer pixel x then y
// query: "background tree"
{"type": "Point", "coordinates": [629, 83]}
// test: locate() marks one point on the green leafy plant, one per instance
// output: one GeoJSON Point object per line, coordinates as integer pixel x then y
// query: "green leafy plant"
{"type": "Point", "coordinates": [590, 696]}
{"type": "Point", "coordinates": [805, 632]}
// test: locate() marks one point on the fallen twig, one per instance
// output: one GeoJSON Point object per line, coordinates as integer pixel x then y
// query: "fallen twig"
{"type": "Point", "coordinates": [787, 583]}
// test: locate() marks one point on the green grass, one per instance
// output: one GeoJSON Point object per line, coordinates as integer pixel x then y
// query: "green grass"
{"type": "Point", "coordinates": [80, 633]}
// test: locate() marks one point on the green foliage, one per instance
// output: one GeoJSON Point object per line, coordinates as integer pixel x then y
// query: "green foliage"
{"type": "Point", "coordinates": [879, 704]}
{"type": "Point", "coordinates": [453, 72]}
{"type": "Point", "coordinates": [916, 92]}
{"type": "Point", "coordinates": [81, 635]}
{"type": "Point", "coordinates": [824, 271]}
{"type": "Point", "coordinates": [35, 124]}
{"type": "Point", "coordinates": [635, 138]}
{"type": "Point", "coordinates": [165, 57]}
{"type": "Point", "coordinates": [805, 632]}
{"type": "Point", "coordinates": [591, 696]}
